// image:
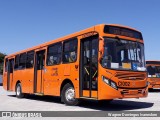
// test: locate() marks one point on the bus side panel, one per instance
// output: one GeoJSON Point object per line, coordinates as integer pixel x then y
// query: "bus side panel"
{"type": "Point", "coordinates": [11, 81]}
{"type": "Point", "coordinates": [25, 82]}
{"type": "Point", "coordinates": [4, 77]}
{"type": "Point", "coordinates": [20, 75]}
{"type": "Point", "coordinates": [15, 79]}
{"type": "Point", "coordinates": [4, 80]}
{"type": "Point", "coordinates": [55, 75]}
{"type": "Point", "coordinates": [52, 76]}
{"type": "Point", "coordinates": [71, 72]}
{"type": "Point", "coordinates": [29, 80]}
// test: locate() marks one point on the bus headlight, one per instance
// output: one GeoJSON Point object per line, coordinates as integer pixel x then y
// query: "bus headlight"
{"type": "Point", "coordinates": [113, 84]}
{"type": "Point", "coordinates": [109, 82]}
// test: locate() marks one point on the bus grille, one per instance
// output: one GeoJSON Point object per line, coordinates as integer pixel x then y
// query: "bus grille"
{"type": "Point", "coordinates": [127, 91]}
{"type": "Point", "coordinates": [155, 80]}
{"type": "Point", "coordinates": [130, 76]}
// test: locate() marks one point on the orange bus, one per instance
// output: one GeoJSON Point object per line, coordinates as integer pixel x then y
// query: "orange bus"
{"type": "Point", "coordinates": [103, 62]}
{"type": "Point", "coordinates": [153, 69]}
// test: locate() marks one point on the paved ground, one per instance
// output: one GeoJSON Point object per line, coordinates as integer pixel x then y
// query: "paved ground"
{"type": "Point", "coordinates": [9, 102]}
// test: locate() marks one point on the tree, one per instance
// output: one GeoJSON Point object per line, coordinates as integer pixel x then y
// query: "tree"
{"type": "Point", "coordinates": [2, 55]}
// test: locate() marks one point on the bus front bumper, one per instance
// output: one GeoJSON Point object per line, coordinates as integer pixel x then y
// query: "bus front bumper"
{"type": "Point", "coordinates": [111, 93]}
{"type": "Point", "coordinates": [132, 93]}
{"type": "Point", "coordinates": [154, 86]}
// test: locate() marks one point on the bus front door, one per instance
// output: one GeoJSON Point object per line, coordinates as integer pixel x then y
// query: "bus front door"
{"type": "Point", "coordinates": [10, 74]}
{"type": "Point", "coordinates": [39, 71]}
{"type": "Point", "coordinates": [89, 67]}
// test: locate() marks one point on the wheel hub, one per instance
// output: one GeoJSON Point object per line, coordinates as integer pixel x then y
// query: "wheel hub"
{"type": "Point", "coordinates": [70, 94]}
{"type": "Point", "coordinates": [18, 90]}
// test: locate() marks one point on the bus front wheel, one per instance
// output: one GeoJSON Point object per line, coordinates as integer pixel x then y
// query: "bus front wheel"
{"type": "Point", "coordinates": [68, 95]}
{"type": "Point", "coordinates": [19, 93]}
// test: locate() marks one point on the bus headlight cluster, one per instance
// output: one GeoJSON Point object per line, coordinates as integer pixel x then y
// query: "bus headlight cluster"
{"type": "Point", "coordinates": [109, 82]}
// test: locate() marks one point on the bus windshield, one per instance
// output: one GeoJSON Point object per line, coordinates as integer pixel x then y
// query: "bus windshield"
{"type": "Point", "coordinates": [153, 71]}
{"type": "Point", "coordinates": [123, 55]}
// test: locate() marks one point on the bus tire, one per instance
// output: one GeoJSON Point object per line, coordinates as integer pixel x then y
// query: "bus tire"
{"type": "Point", "coordinates": [68, 95]}
{"type": "Point", "coordinates": [19, 93]}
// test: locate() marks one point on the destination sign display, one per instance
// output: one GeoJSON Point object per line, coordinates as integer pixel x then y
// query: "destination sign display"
{"type": "Point", "coordinates": [153, 62]}
{"type": "Point", "coordinates": [122, 31]}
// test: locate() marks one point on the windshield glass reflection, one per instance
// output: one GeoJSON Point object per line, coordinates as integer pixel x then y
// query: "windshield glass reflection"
{"type": "Point", "coordinates": [153, 71]}
{"type": "Point", "coordinates": [123, 54]}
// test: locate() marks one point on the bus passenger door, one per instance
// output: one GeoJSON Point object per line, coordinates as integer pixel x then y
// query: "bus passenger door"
{"type": "Point", "coordinates": [10, 74]}
{"type": "Point", "coordinates": [39, 71]}
{"type": "Point", "coordinates": [89, 67]}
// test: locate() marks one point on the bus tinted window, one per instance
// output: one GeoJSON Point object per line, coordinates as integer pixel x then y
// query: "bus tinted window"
{"type": "Point", "coordinates": [153, 62]}
{"type": "Point", "coordinates": [70, 51]}
{"type": "Point", "coordinates": [54, 54]}
{"type": "Point", "coordinates": [22, 61]}
{"type": "Point", "coordinates": [6, 65]}
{"type": "Point", "coordinates": [30, 59]}
{"type": "Point", "coordinates": [16, 62]}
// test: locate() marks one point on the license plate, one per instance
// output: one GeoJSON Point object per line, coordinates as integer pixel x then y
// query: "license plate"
{"type": "Point", "coordinates": [133, 92]}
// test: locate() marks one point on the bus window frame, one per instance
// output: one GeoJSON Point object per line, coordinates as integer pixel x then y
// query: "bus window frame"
{"type": "Point", "coordinates": [17, 68]}
{"type": "Point", "coordinates": [32, 51]}
{"type": "Point", "coordinates": [6, 65]}
{"type": "Point", "coordinates": [76, 50]}
{"type": "Point", "coordinates": [54, 44]}
{"type": "Point", "coordinates": [24, 60]}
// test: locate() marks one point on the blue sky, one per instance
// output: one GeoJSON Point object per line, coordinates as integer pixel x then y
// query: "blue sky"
{"type": "Point", "coordinates": [26, 23]}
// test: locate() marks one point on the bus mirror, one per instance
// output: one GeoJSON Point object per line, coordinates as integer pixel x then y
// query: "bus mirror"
{"type": "Point", "coordinates": [101, 47]}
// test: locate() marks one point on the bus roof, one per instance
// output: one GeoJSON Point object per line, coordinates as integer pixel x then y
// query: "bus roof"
{"type": "Point", "coordinates": [153, 62]}
{"type": "Point", "coordinates": [91, 29]}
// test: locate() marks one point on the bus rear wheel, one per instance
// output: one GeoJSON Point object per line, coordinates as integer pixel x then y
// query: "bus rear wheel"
{"type": "Point", "coordinates": [19, 93]}
{"type": "Point", "coordinates": [68, 95]}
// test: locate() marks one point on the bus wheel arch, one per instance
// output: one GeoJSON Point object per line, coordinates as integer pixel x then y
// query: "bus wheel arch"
{"type": "Point", "coordinates": [67, 93]}
{"type": "Point", "coordinates": [18, 81]}
{"type": "Point", "coordinates": [18, 90]}
{"type": "Point", "coordinates": [65, 81]}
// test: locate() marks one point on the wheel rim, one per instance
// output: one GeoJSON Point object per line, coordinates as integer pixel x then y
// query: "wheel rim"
{"type": "Point", "coordinates": [70, 94]}
{"type": "Point", "coordinates": [18, 90]}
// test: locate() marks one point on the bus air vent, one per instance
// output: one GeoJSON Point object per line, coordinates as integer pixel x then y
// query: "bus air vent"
{"type": "Point", "coordinates": [130, 76]}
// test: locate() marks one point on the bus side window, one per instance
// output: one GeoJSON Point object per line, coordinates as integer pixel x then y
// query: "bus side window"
{"type": "Point", "coordinates": [70, 51]}
{"type": "Point", "coordinates": [30, 59]}
{"type": "Point", "coordinates": [6, 65]}
{"type": "Point", "coordinates": [16, 65]}
{"type": "Point", "coordinates": [54, 54]}
{"type": "Point", "coordinates": [22, 61]}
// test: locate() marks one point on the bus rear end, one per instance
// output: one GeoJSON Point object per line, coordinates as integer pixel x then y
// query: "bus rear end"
{"type": "Point", "coordinates": [153, 69]}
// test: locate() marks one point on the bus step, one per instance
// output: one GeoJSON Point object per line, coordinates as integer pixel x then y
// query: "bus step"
{"type": "Point", "coordinates": [39, 94]}
{"type": "Point", "coordinates": [88, 98]}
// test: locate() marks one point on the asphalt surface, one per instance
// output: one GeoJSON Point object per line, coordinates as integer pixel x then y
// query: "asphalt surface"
{"type": "Point", "coordinates": [9, 102]}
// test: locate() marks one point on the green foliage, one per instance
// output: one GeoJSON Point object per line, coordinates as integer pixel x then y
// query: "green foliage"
{"type": "Point", "coordinates": [1, 62]}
